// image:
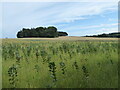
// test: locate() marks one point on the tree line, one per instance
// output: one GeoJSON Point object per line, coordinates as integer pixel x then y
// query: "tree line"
{"type": "Point", "coordinates": [49, 32]}
{"type": "Point", "coordinates": [114, 35]}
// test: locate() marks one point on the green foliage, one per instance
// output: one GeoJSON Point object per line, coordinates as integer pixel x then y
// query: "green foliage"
{"type": "Point", "coordinates": [62, 33]}
{"type": "Point", "coordinates": [52, 69]}
{"type": "Point", "coordinates": [12, 72]}
{"type": "Point", "coordinates": [75, 65]}
{"type": "Point", "coordinates": [63, 67]}
{"type": "Point", "coordinates": [59, 64]}
{"type": "Point", "coordinates": [49, 32]}
{"type": "Point", "coordinates": [114, 35]}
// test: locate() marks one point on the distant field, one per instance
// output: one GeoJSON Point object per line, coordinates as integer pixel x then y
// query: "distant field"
{"type": "Point", "coordinates": [72, 38]}
{"type": "Point", "coordinates": [64, 62]}
{"type": "Point", "coordinates": [68, 38]}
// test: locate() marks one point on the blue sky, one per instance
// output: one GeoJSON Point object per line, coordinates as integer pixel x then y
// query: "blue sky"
{"type": "Point", "coordinates": [76, 18]}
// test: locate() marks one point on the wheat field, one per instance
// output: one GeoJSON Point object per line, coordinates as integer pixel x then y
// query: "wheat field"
{"type": "Point", "coordinates": [65, 62]}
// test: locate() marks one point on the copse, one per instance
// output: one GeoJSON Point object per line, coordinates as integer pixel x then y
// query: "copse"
{"type": "Point", "coordinates": [49, 32]}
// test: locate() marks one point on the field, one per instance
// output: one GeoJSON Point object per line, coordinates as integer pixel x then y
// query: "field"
{"type": "Point", "coordinates": [65, 62]}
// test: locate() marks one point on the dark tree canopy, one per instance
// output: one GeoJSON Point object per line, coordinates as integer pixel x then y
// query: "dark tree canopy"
{"type": "Point", "coordinates": [114, 35]}
{"type": "Point", "coordinates": [62, 34]}
{"type": "Point", "coordinates": [49, 32]}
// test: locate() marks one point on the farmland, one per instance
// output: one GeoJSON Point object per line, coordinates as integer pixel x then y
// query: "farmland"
{"type": "Point", "coordinates": [65, 62]}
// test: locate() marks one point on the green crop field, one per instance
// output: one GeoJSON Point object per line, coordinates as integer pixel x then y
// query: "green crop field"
{"type": "Point", "coordinates": [74, 63]}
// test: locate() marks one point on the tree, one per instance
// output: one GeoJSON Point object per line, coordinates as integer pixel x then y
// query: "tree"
{"type": "Point", "coordinates": [62, 34]}
{"type": "Point", "coordinates": [117, 35]}
{"type": "Point", "coordinates": [50, 32]}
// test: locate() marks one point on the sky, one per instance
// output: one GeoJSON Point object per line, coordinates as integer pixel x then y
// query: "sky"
{"type": "Point", "coordinates": [75, 18]}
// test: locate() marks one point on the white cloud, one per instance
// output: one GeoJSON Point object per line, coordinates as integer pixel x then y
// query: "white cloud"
{"type": "Point", "coordinates": [95, 31]}
{"type": "Point", "coordinates": [19, 15]}
{"type": "Point", "coordinates": [91, 27]}
{"type": "Point", "coordinates": [108, 30]}
{"type": "Point", "coordinates": [56, 13]}
{"type": "Point", "coordinates": [100, 26]}
{"type": "Point", "coordinates": [79, 10]}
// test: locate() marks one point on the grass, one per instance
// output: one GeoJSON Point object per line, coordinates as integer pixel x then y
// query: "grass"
{"type": "Point", "coordinates": [72, 63]}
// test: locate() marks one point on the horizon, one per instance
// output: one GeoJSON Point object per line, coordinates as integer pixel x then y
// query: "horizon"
{"type": "Point", "coordinates": [75, 18]}
{"type": "Point", "coordinates": [64, 36]}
